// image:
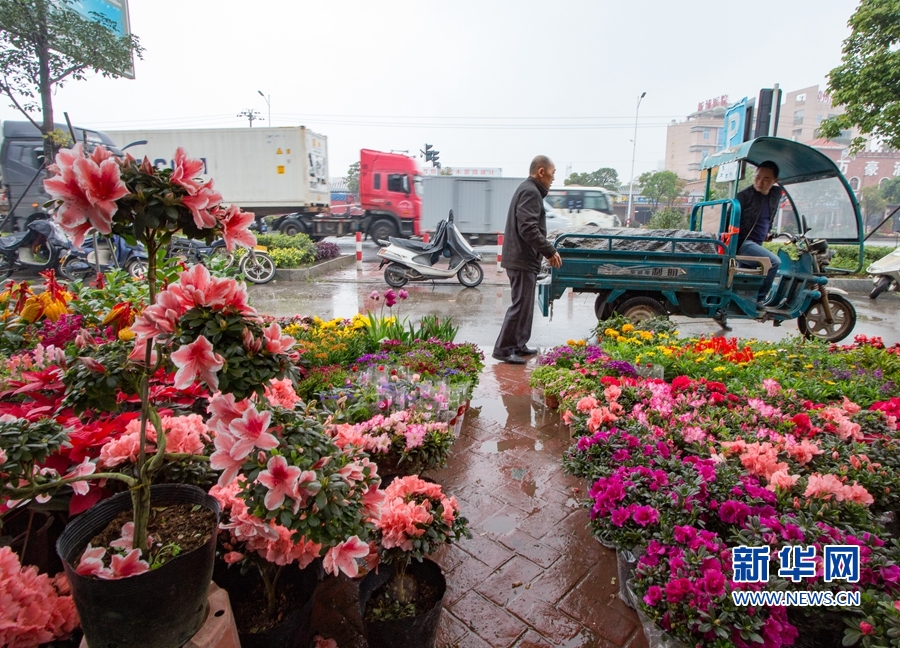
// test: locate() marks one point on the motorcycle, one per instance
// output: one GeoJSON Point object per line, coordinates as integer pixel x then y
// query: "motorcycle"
{"type": "Point", "coordinates": [39, 247]}
{"type": "Point", "coordinates": [409, 260]}
{"type": "Point", "coordinates": [885, 274]}
{"type": "Point", "coordinates": [256, 266]}
{"type": "Point", "coordinates": [102, 254]}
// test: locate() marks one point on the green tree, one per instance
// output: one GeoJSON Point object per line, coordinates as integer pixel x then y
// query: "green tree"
{"type": "Point", "coordinates": [606, 177]}
{"type": "Point", "coordinates": [872, 201]}
{"type": "Point", "coordinates": [661, 185]}
{"type": "Point", "coordinates": [890, 191]}
{"type": "Point", "coordinates": [668, 218]}
{"type": "Point", "coordinates": [867, 83]}
{"type": "Point", "coordinates": [353, 178]}
{"type": "Point", "coordinates": [43, 44]}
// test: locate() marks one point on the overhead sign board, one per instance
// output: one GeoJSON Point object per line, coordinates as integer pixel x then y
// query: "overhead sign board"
{"type": "Point", "coordinates": [116, 11]}
{"type": "Point", "coordinates": [728, 172]}
{"type": "Point", "coordinates": [735, 123]}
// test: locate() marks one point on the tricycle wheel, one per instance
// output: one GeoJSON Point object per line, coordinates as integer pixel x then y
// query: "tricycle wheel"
{"type": "Point", "coordinates": [640, 308]}
{"type": "Point", "coordinates": [812, 324]}
{"type": "Point", "coordinates": [601, 308]}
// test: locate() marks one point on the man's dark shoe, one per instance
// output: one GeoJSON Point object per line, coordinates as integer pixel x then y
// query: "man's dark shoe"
{"type": "Point", "coordinates": [526, 351]}
{"type": "Point", "coordinates": [512, 358]}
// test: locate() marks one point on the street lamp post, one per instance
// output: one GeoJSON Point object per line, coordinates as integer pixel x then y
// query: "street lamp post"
{"type": "Point", "coordinates": [269, 105]}
{"type": "Point", "coordinates": [633, 153]}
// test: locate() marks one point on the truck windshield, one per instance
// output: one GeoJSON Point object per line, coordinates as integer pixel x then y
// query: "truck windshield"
{"type": "Point", "coordinates": [420, 188]}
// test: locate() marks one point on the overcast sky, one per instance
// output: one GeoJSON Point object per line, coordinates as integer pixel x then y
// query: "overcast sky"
{"type": "Point", "coordinates": [490, 83]}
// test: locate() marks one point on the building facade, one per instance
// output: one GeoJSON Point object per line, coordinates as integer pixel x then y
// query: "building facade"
{"type": "Point", "coordinates": [688, 142]}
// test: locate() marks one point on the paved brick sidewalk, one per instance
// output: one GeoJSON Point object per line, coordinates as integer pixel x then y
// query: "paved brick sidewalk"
{"type": "Point", "coordinates": [532, 575]}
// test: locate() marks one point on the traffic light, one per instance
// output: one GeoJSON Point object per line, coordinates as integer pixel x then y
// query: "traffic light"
{"type": "Point", "coordinates": [428, 153]}
{"type": "Point", "coordinates": [434, 159]}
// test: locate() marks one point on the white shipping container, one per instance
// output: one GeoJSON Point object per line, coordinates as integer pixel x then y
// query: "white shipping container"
{"type": "Point", "coordinates": [263, 170]}
{"type": "Point", "coordinates": [479, 205]}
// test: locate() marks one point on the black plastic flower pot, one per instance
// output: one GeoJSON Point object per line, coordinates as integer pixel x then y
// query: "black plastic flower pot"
{"type": "Point", "coordinates": [162, 608]}
{"type": "Point", "coordinates": [419, 631]}
{"type": "Point", "coordinates": [295, 629]}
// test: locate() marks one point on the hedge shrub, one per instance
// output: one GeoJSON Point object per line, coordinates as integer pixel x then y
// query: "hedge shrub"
{"type": "Point", "coordinates": [285, 257]}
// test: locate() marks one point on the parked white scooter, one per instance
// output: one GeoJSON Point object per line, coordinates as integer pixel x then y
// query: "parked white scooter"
{"type": "Point", "coordinates": [408, 260]}
{"type": "Point", "coordinates": [885, 273]}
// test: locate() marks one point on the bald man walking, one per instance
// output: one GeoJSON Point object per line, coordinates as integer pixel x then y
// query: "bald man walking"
{"type": "Point", "coordinates": [524, 243]}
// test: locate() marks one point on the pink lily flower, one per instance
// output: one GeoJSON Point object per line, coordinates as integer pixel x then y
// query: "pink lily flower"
{"type": "Point", "coordinates": [280, 479]}
{"type": "Point", "coordinates": [275, 341]}
{"type": "Point", "coordinates": [197, 360]}
{"type": "Point", "coordinates": [343, 557]}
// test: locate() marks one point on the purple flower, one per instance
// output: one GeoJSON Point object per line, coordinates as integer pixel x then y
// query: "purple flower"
{"type": "Point", "coordinates": [620, 456]}
{"type": "Point", "coordinates": [375, 295]}
{"type": "Point", "coordinates": [677, 589]}
{"type": "Point", "coordinates": [684, 534]}
{"type": "Point", "coordinates": [713, 582]}
{"type": "Point", "coordinates": [733, 512]}
{"type": "Point", "coordinates": [390, 298]}
{"type": "Point", "coordinates": [620, 516]}
{"type": "Point", "coordinates": [402, 294]}
{"type": "Point", "coordinates": [653, 595]}
{"type": "Point", "coordinates": [645, 515]}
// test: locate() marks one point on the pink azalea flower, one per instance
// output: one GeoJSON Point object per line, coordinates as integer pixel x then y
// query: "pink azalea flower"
{"type": "Point", "coordinates": [185, 171]}
{"type": "Point", "coordinates": [92, 364]}
{"type": "Point", "coordinates": [224, 410]}
{"type": "Point", "coordinates": [83, 469]}
{"type": "Point", "coordinates": [250, 431]}
{"type": "Point", "coordinates": [782, 479]}
{"type": "Point", "coordinates": [197, 360]}
{"type": "Point", "coordinates": [200, 204]}
{"type": "Point", "coordinates": [858, 494]}
{"type": "Point", "coordinates": [342, 557]}
{"type": "Point", "coordinates": [321, 642]}
{"type": "Point", "coordinates": [275, 341]}
{"type": "Point", "coordinates": [91, 563]}
{"type": "Point", "coordinates": [281, 393]}
{"type": "Point", "coordinates": [235, 224]}
{"type": "Point", "coordinates": [653, 595]}
{"type": "Point", "coordinates": [233, 557]}
{"type": "Point", "coordinates": [281, 480]}
{"type": "Point", "coordinates": [825, 486]}
{"type": "Point", "coordinates": [223, 460]}
{"type": "Point", "coordinates": [128, 565]}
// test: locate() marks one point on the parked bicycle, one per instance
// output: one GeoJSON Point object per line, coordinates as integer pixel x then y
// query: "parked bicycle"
{"type": "Point", "coordinates": [255, 265]}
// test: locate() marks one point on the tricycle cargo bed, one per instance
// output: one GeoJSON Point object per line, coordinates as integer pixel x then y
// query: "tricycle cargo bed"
{"type": "Point", "coordinates": [653, 240]}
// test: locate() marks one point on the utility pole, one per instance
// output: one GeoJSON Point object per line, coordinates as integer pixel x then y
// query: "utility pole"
{"type": "Point", "coordinates": [251, 115]}
{"type": "Point", "coordinates": [268, 103]}
{"type": "Point", "coordinates": [633, 154]}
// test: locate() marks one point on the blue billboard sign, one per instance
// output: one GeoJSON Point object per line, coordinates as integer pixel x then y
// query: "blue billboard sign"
{"type": "Point", "coordinates": [114, 10]}
{"type": "Point", "coordinates": [735, 122]}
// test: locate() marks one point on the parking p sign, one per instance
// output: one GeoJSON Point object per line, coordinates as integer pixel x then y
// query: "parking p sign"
{"type": "Point", "coordinates": [735, 120]}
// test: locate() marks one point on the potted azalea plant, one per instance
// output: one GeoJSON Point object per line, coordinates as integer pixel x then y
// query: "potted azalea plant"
{"type": "Point", "coordinates": [201, 325]}
{"type": "Point", "coordinates": [401, 600]}
{"type": "Point", "coordinates": [291, 496]}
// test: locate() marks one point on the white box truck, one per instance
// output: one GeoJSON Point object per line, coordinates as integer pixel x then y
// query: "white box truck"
{"type": "Point", "coordinates": [262, 170]}
{"type": "Point", "coordinates": [480, 205]}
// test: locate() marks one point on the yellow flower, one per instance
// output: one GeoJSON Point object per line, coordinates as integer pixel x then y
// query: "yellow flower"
{"type": "Point", "coordinates": [807, 366]}
{"type": "Point", "coordinates": [720, 369]}
{"type": "Point", "coordinates": [126, 334]}
{"type": "Point", "coordinates": [646, 335]}
{"type": "Point", "coordinates": [611, 332]}
{"type": "Point", "coordinates": [627, 328]}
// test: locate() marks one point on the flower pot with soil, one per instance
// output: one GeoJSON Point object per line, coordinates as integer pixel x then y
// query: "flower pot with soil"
{"type": "Point", "coordinates": [380, 594]}
{"type": "Point", "coordinates": [161, 607]}
{"type": "Point", "coordinates": [289, 625]}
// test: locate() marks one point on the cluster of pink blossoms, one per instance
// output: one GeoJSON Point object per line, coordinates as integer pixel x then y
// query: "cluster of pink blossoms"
{"type": "Point", "coordinates": [377, 432]}
{"type": "Point", "coordinates": [408, 509]}
{"type": "Point", "coordinates": [35, 608]}
{"type": "Point", "coordinates": [184, 435]}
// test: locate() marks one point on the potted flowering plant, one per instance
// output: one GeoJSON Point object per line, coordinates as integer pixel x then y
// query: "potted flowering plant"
{"type": "Point", "coordinates": [401, 603]}
{"type": "Point", "coordinates": [195, 325]}
{"type": "Point", "coordinates": [291, 496]}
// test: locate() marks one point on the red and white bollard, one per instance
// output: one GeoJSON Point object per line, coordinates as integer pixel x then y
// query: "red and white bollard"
{"type": "Point", "coordinates": [499, 251]}
{"type": "Point", "coordinates": [426, 237]}
{"type": "Point", "coordinates": [359, 251]}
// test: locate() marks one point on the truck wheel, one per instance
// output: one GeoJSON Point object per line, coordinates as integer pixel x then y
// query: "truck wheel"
{"type": "Point", "coordinates": [395, 276]}
{"type": "Point", "coordinates": [291, 228]}
{"type": "Point", "coordinates": [470, 275]}
{"type": "Point", "coordinates": [880, 287]}
{"type": "Point", "coordinates": [382, 229]}
{"type": "Point", "coordinates": [640, 308]}
{"type": "Point", "coordinates": [812, 324]}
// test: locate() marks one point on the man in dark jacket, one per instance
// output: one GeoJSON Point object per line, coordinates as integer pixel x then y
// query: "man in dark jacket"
{"type": "Point", "coordinates": [759, 204]}
{"type": "Point", "coordinates": [524, 243]}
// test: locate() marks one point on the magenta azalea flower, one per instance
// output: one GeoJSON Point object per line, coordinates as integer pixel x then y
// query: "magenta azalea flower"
{"type": "Point", "coordinates": [645, 515]}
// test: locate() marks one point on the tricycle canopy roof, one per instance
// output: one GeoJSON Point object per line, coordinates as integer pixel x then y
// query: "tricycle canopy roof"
{"type": "Point", "coordinates": [796, 162]}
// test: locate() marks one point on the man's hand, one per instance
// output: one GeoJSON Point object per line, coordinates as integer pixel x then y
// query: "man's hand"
{"type": "Point", "coordinates": [555, 261]}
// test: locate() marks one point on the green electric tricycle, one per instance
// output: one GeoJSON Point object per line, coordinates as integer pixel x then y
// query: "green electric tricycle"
{"type": "Point", "coordinates": [697, 272]}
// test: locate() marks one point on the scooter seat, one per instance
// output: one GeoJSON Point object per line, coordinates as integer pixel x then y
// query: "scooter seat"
{"type": "Point", "coordinates": [13, 241]}
{"type": "Point", "coordinates": [418, 247]}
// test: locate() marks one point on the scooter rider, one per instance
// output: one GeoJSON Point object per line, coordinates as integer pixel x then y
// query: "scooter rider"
{"type": "Point", "coordinates": [524, 243]}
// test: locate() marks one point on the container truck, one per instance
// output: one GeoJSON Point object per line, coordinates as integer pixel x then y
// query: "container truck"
{"type": "Point", "coordinates": [283, 172]}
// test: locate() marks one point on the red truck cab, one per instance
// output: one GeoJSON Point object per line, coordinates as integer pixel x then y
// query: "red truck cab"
{"type": "Point", "coordinates": [390, 191]}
